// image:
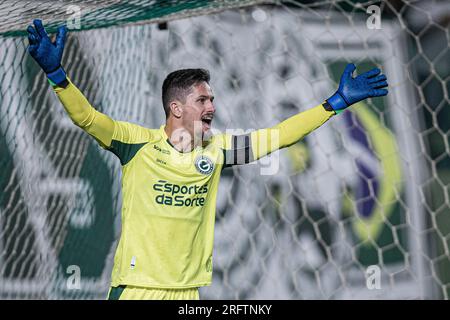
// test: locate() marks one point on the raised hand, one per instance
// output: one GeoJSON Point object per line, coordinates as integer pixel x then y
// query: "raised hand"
{"type": "Point", "coordinates": [351, 90]}
{"type": "Point", "coordinates": [46, 53]}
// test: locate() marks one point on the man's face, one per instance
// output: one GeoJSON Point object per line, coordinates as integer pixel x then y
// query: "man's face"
{"type": "Point", "coordinates": [198, 111]}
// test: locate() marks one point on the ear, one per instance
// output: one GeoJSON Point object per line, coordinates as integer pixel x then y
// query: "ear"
{"type": "Point", "coordinates": [176, 110]}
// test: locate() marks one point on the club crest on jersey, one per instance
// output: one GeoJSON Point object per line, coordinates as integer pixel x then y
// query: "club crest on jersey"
{"type": "Point", "coordinates": [204, 165]}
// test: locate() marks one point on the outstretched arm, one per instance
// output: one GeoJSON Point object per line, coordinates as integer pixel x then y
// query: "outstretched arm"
{"type": "Point", "coordinates": [121, 138]}
{"type": "Point", "coordinates": [246, 148]}
{"type": "Point", "coordinates": [48, 55]}
{"type": "Point", "coordinates": [98, 125]}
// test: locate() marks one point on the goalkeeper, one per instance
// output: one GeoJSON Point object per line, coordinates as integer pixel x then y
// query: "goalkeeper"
{"type": "Point", "coordinates": [170, 175]}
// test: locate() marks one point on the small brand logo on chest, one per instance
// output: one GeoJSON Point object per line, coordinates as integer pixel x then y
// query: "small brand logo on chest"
{"type": "Point", "coordinates": [164, 151]}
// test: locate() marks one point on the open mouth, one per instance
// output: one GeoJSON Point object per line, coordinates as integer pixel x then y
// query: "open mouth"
{"type": "Point", "coordinates": [207, 120]}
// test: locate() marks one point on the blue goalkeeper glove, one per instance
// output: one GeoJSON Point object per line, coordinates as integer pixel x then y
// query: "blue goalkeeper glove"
{"type": "Point", "coordinates": [46, 53]}
{"type": "Point", "coordinates": [352, 90]}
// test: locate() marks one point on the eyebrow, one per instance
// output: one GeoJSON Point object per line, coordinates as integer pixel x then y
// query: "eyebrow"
{"type": "Point", "coordinates": [206, 97]}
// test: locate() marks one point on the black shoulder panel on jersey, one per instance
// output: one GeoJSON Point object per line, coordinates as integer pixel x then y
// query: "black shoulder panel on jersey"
{"type": "Point", "coordinates": [240, 152]}
{"type": "Point", "coordinates": [125, 151]}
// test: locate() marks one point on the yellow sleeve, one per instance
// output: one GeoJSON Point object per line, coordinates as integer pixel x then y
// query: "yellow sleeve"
{"type": "Point", "coordinates": [246, 148]}
{"type": "Point", "coordinates": [124, 139]}
{"type": "Point", "coordinates": [288, 132]}
{"type": "Point", "coordinates": [82, 114]}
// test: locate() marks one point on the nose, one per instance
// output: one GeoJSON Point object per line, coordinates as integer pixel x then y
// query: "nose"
{"type": "Point", "coordinates": [210, 107]}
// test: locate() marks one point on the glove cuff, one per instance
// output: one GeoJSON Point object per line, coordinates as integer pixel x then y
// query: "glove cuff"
{"type": "Point", "coordinates": [337, 102]}
{"type": "Point", "coordinates": [56, 77]}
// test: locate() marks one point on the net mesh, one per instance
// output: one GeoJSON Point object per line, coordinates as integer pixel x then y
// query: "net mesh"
{"type": "Point", "coordinates": [100, 14]}
{"type": "Point", "coordinates": [364, 196]}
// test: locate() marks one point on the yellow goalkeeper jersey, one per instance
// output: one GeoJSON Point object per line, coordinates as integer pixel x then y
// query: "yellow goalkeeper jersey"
{"type": "Point", "coordinates": [169, 197]}
{"type": "Point", "coordinates": [168, 209]}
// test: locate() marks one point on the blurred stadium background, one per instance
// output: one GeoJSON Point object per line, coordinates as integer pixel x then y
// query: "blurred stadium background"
{"type": "Point", "coordinates": [370, 188]}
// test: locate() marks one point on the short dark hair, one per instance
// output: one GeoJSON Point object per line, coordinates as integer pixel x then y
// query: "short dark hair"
{"type": "Point", "coordinates": [178, 84]}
